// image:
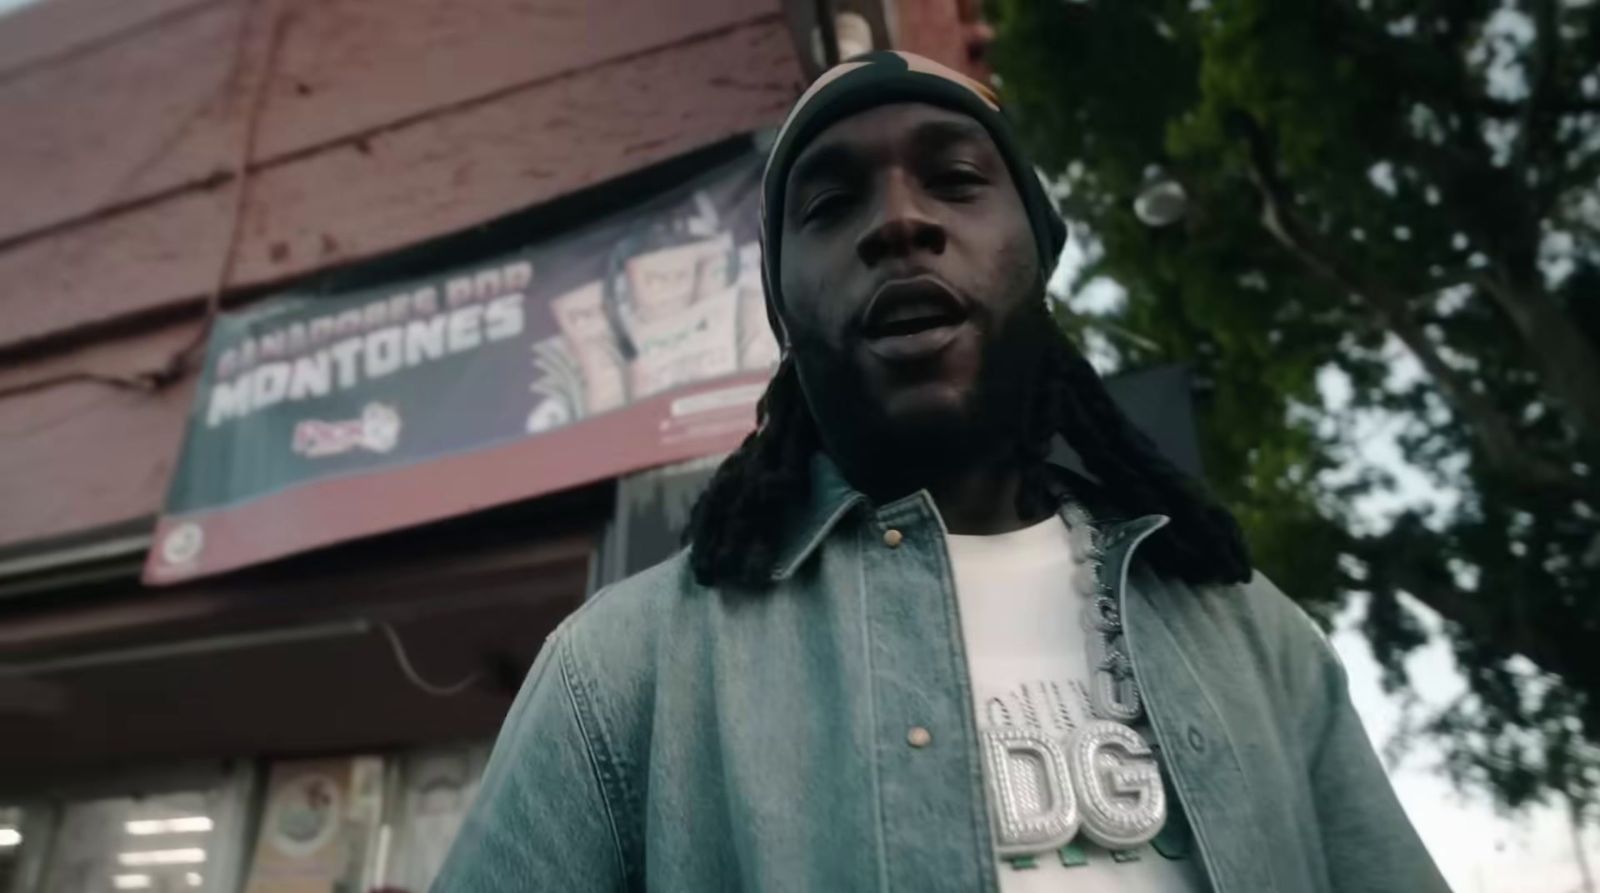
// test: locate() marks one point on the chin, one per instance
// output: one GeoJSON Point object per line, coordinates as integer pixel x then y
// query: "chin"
{"type": "Point", "coordinates": [928, 417]}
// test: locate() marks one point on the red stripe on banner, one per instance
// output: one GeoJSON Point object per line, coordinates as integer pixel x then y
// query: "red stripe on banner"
{"type": "Point", "coordinates": [681, 424]}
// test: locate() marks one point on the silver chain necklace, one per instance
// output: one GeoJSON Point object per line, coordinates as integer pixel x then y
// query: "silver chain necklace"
{"type": "Point", "coordinates": [1110, 784]}
{"type": "Point", "coordinates": [1114, 770]}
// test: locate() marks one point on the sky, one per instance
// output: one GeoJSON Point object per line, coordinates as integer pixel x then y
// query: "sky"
{"type": "Point", "coordinates": [1478, 849]}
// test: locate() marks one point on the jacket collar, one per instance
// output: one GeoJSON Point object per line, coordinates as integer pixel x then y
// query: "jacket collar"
{"type": "Point", "coordinates": [832, 498]}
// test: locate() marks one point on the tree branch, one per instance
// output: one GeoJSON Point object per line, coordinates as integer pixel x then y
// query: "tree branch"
{"type": "Point", "coordinates": [1527, 152]}
{"type": "Point", "coordinates": [1491, 429]}
{"type": "Point", "coordinates": [1567, 361]}
{"type": "Point", "coordinates": [1504, 108]}
{"type": "Point", "coordinates": [1554, 637]}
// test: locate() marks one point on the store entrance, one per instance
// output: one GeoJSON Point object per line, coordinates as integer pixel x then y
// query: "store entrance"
{"type": "Point", "coordinates": [315, 725]}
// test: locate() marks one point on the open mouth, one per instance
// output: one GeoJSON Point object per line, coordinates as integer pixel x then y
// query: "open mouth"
{"type": "Point", "coordinates": [909, 307]}
{"type": "Point", "coordinates": [911, 325]}
{"type": "Point", "coordinates": [912, 320]}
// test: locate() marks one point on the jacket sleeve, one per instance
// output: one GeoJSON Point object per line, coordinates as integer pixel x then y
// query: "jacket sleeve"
{"type": "Point", "coordinates": [1369, 843]}
{"type": "Point", "coordinates": [540, 820]}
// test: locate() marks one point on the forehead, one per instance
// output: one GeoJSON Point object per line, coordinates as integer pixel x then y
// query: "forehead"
{"type": "Point", "coordinates": [888, 127]}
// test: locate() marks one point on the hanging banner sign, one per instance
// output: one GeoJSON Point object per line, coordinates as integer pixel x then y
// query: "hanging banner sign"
{"type": "Point", "coordinates": [632, 342]}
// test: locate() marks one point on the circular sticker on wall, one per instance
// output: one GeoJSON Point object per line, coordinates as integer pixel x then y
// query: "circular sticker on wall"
{"type": "Point", "coordinates": [183, 543]}
{"type": "Point", "coordinates": [304, 814]}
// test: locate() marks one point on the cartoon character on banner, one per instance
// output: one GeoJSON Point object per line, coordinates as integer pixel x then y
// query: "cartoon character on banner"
{"type": "Point", "coordinates": [679, 304]}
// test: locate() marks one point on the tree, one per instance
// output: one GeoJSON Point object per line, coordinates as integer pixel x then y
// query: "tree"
{"type": "Point", "coordinates": [1393, 213]}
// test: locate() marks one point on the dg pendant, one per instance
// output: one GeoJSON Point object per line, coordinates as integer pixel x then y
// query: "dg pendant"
{"type": "Point", "coordinates": [1102, 780]}
{"type": "Point", "coordinates": [1123, 804]}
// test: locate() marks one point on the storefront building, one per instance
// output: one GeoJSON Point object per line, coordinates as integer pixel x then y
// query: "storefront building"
{"type": "Point", "coordinates": [345, 347]}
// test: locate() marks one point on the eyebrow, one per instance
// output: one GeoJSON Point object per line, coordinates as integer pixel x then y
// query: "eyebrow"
{"type": "Point", "coordinates": [946, 132]}
{"type": "Point", "coordinates": [932, 136]}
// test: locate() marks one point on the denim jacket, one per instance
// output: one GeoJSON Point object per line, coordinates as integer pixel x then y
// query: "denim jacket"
{"type": "Point", "coordinates": [674, 737]}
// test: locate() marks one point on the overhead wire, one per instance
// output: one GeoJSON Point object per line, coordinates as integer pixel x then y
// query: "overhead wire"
{"type": "Point", "coordinates": [178, 364]}
{"type": "Point", "coordinates": [415, 678]}
{"type": "Point", "coordinates": [243, 159]}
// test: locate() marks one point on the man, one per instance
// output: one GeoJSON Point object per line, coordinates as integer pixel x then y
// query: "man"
{"type": "Point", "coordinates": [905, 653]}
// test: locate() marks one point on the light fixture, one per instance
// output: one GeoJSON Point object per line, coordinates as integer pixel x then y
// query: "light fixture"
{"type": "Point", "coordinates": [852, 35]}
{"type": "Point", "coordinates": [169, 826]}
{"type": "Point", "coordinates": [193, 878]}
{"type": "Point", "coordinates": [10, 837]}
{"type": "Point", "coordinates": [130, 881]}
{"type": "Point", "coordinates": [1162, 203]}
{"type": "Point", "coordinates": [184, 856]}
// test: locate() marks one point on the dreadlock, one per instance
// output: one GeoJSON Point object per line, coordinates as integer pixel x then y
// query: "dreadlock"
{"type": "Point", "coordinates": [735, 524]}
{"type": "Point", "coordinates": [736, 521]}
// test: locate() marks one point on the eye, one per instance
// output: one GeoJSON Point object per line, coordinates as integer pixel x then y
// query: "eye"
{"type": "Point", "coordinates": [824, 205]}
{"type": "Point", "coordinates": [957, 180]}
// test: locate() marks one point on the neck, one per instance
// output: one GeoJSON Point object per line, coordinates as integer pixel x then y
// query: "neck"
{"type": "Point", "coordinates": [975, 498]}
{"type": "Point", "coordinates": [981, 500]}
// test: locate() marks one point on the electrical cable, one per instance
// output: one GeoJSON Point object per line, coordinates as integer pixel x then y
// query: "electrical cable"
{"type": "Point", "coordinates": [177, 365]}
{"type": "Point", "coordinates": [411, 674]}
{"type": "Point", "coordinates": [244, 157]}
{"type": "Point", "coordinates": [143, 382]}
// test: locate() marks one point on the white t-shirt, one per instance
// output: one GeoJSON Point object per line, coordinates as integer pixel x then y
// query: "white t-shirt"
{"type": "Point", "coordinates": [1021, 619]}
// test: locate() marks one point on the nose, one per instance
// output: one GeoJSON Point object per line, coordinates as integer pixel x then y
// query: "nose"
{"type": "Point", "coordinates": [902, 227]}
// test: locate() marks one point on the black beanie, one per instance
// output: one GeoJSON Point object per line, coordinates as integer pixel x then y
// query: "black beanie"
{"type": "Point", "coordinates": [879, 79]}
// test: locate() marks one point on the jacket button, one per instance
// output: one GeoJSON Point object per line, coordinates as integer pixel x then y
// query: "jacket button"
{"type": "Point", "coordinates": [1197, 741]}
{"type": "Point", "coordinates": [893, 538]}
{"type": "Point", "coordinates": [919, 737]}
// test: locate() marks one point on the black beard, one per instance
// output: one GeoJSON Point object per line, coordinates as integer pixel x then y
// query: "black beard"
{"type": "Point", "coordinates": [890, 458]}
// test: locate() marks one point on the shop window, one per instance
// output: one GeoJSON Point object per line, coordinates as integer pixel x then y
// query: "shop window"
{"type": "Point", "coordinates": [358, 824]}
{"type": "Point", "coordinates": [175, 842]}
{"type": "Point", "coordinates": [12, 838]}
{"type": "Point", "coordinates": [432, 790]}
{"type": "Point", "coordinates": [319, 827]}
{"type": "Point", "coordinates": [352, 824]}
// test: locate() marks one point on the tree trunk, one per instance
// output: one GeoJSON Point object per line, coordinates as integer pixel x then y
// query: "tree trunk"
{"type": "Point", "coordinates": [1567, 362]}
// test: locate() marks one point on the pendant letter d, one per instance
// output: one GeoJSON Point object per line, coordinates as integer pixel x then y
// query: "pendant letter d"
{"type": "Point", "coordinates": [1030, 787]}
